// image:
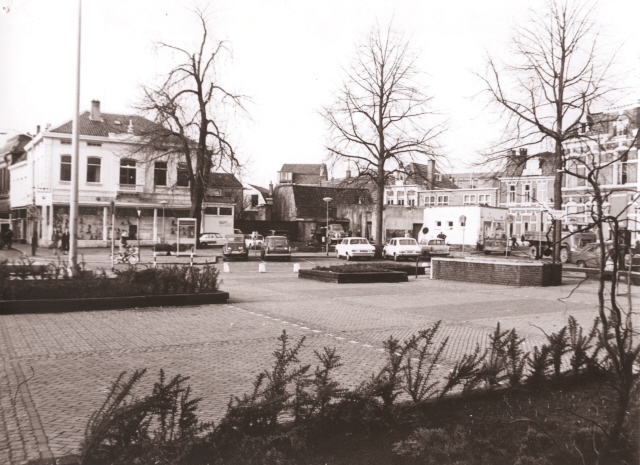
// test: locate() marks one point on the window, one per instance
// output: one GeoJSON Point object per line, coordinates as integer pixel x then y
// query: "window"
{"type": "Point", "coordinates": [65, 168]}
{"type": "Point", "coordinates": [443, 200]}
{"type": "Point", "coordinates": [484, 199]}
{"type": "Point", "coordinates": [400, 201]}
{"type": "Point", "coordinates": [254, 200]}
{"type": "Point", "coordinates": [438, 177]}
{"type": "Point", "coordinates": [65, 141]}
{"type": "Point", "coordinates": [183, 175]}
{"type": "Point", "coordinates": [94, 144]}
{"type": "Point", "coordinates": [411, 202]}
{"type": "Point", "coordinates": [93, 169]}
{"type": "Point", "coordinates": [389, 201]}
{"type": "Point", "coordinates": [211, 210]}
{"type": "Point", "coordinates": [127, 171]}
{"type": "Point", "coordinates": [512, 193]}
{"type": "Point", "coordinates": [226, 211]}
{"type": "Point", "coordinates": [438, 224]}
{"type": "Point", "coordinates": [469, 199]}
{"type": "Point", "coordinates": [526, 192]}
{"type": "Point", "coordinates": [450, 224]}
{"type": "Point", "coordinates": [286, 177]}
{"type": "Point", "coordinates": [160, 173]}
{"type": "Point", "coordinates": [429, 200]}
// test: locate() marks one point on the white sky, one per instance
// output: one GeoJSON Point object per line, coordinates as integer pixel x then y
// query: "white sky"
{"type": "Point", "coordinates": [287, 55]}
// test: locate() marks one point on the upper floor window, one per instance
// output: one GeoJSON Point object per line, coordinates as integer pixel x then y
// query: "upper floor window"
{"type": "Point", "coordinates": [254, 200]}
{"type": "Point", "coordinates": [512, 193]}
{"type": "Point", "coordinates": [438, 177]}
{"type": "Point", "coordinates": [127, 171]}
{"type": "Point", "coordinates": [65, 141]}
{"type": "Point", "coordinates": [65, 168]}
{"type": "Point", "coordinates": [443, 200]}
{"type": "Point", "coordinates": [183, 175]}
{"type": "Point", "coordinates": [389, 201]}
{"type": "Point", "coordinates": [400, 201]}
{"type": "Point", "coordinates": [93, 169]}
{"type": "Point", "coordinates": [226, 211]}
{"type": "Point", "coordinates": [160, 173]}
{"type": "Point", "coordinates": [526, 192]}
{"type": "Point", "coordinates": [429, 200]}
{"type": "Point", "coordinates": [411, 202]}
{"type": "Point", "coordinates": [484, 199]}
{"type": "Point", "coordinates": [286, 176]}
{"type": "Point", "coordinates": [469, 199]}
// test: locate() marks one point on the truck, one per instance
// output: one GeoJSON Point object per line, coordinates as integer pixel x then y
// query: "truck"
{"type": "Point", "coordinates": [337, 232]}
{"type": "Point", "coordinates": [461, 225]}
{"type": "Point", "coordinates": [541, 242]}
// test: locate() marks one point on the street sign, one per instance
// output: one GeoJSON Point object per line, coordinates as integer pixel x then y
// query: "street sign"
{"type": "Point", "coordinates": [510, 218]}
{"type": "Point", "coordinates": [463, 219]}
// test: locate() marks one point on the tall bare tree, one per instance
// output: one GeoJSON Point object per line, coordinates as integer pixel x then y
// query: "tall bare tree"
{"type": "Point", "coordinates": [379, 121]}
{"type": "Point", "coordinates": [191, 107]}
{"type": "Point", "coordinates": [553, 75]}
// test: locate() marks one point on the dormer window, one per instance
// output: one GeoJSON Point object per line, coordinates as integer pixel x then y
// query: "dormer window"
{"type": "Point", "coordinates": [438, 177]}
{"type": "Point", "coordinates": [286, 176]}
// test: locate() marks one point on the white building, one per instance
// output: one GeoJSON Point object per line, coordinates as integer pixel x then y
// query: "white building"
{"type": "Point", "coordinates": [110, 169]}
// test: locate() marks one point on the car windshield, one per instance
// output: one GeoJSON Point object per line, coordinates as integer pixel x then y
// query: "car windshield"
{"type": "Point", "coordinates": [436, 242]}
{"type": "Point", "coordinates": [234, 238]}
{"type": "Point", "coordinates": [359, 241]}
{"type": "Point", "coordinates": [259, 238]}
{"type": "Point", "coordinates": [277, 241]}
{"type": "Point", "coordinates": [407, 242]}
{"type": "Point", "coordinates": [335, 227]}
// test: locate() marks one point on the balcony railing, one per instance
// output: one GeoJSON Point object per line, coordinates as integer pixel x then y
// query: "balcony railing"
{"type": "Point", "coordinates": [130, 187]}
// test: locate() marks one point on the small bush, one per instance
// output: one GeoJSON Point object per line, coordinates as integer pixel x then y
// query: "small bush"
{"type": "Point", "coordinates": [363, 268]}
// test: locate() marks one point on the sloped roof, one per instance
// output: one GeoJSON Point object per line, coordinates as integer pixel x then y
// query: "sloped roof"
{"type": "Point", "coordinates": [303, 168]}
{"type": "Point", "coordinates": [107, 124]}
{"type": "Point", "coordinates": [517, 163]}
{"type": "Point", "coordinates": [223, 180]}
{"type": "Point", "coordinates": [309, 203]}
{"type": "Point", "coordinates": [265, 192]}
{"type": "Point", "coordinates": [14, 145]}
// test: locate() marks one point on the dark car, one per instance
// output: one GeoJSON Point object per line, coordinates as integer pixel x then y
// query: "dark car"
{"type": "Point", "coordinates": [234, 247]}
{"type": "Point", "coordinates": [276, 247]}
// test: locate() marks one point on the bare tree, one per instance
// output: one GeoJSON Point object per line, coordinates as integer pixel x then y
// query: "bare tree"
{"type": "Point", "coordinates": [379, 121]}
{"type": "Point", "coordinates": [553, 76]}
{"type": "Point", "coordinates": [191, 108]}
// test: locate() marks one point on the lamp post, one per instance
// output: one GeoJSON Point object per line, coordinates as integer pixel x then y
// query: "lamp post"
{"type": "Point", "coordinates": [138, 228]}
{"type": "Point", "coordinates": [327, 199]}
{"type": "Point", "coordinates": [163, 203]}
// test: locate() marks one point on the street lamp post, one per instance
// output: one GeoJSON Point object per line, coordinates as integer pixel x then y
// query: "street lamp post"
{"type": "Point", "coordinates": [327, 199]}
{"type": "Point", "coordinates": [163, 203]}
{"type": "Point", "coordinates": [138, 228]}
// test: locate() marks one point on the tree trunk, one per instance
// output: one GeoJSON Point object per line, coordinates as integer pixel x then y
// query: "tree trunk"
{"type": "Point", "coordinates": [380, 213]}
{"type": "Point", "coordinates": [557, 199]}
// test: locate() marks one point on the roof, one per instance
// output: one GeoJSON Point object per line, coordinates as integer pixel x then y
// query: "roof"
{"type": "Point", "coordinates": [517, 164]}
{"type": "Point", "coordinates": [14, 145]}
{"type": "Point", "coordinates": [419, 174]}
{"type": "Point", "coordinates": [107, 125]}
{"type": "Point", "coordinates": [265, 192]}
{"type": "Point", "coordinates": [309, 203]}
{"type": "Point", "coordinates": [303, 168]}
{"type": "Point", "coordinates": [223, 180]}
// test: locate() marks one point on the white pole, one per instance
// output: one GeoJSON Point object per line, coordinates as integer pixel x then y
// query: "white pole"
{"type": "Point", "coordinates": [75, 160]}
{"type": "Point", "coordinates": [113, 231]}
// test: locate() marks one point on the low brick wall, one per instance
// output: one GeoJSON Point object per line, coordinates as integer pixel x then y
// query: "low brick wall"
{"type": "Point", "coordinates": [509, 272]}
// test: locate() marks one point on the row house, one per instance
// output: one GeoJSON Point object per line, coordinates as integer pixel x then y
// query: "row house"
{"type": "Point", "coordinates": [11, 152]}
{"type": "Point", "coordinates": [150, 190]}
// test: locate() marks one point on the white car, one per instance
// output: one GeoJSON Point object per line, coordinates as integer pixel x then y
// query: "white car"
{"type": "Point", "coordinates": [401, 247]}
{"type": "Point", "coordinates": [353, 247]}
{"type": "Point", "coordinates": [254, 242]}
{"type": "Point", "coordinates": [211, 240]}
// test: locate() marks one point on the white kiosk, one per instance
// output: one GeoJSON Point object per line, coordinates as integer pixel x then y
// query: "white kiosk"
{"type": "Point", "coordinates": [187, 238]}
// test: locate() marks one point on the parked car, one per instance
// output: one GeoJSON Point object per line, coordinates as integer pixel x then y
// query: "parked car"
{"type": "Point", "coordinates": [353, 247]}
{"type": "Point", "coordinates": [589, 255]}
{"type": "Point", "coordinates": [401, 247]}
{"type": "Point", "coordinates": [237, 231]}
{"type": "Point", "coordinates": [234, 247]}
{"type": "Point", "coordinates": [211, 240]}
{"type": "Point", "coordinates": [276, 247]}
{"type": "Point", "coordinates": [434, 248]}
{"type": "Point", "coordinates": [254, 241]}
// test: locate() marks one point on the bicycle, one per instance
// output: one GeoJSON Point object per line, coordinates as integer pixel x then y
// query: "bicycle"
{"type": "Point", "coordinates": [130, 255]}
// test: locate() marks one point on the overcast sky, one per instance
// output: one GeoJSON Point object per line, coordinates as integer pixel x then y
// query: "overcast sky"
{"type": "Point", "coordinates": [287, 55]}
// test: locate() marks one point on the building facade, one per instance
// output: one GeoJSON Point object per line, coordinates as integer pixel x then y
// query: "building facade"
{"type": "Point", "coordinates": [150, 191]}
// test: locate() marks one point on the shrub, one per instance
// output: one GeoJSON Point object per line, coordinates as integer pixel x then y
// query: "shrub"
{"type": "Point", "coordinates": [27, 280]}
{"type": "Point", "coordinates": [363, 267]}
{"type": "Point", "coordinates": [158, 428]}
{"type": "Point", "coordinates": [437, 446]}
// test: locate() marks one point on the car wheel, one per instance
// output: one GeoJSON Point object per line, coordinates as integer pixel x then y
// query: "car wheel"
{"type": "Point", "coordinates": [581, 264]}
{"type": "Point", "coordinates": [533, 251]}
{"type": "Point", "coordinates": [564, 255]}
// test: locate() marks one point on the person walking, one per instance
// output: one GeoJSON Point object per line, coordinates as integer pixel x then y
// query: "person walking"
{"type": "Point", "coordinates": [123, 241]}
{"type": "Point", "coordinates": [64, 242]}
{"type": "Point", "coordinates": [8, 238]}
{"type": "Point", "coordinates": [55, 241]}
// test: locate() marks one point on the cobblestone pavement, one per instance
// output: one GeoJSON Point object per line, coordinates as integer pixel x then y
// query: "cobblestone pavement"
{"type": "Point", "coordinates": [57, 368]}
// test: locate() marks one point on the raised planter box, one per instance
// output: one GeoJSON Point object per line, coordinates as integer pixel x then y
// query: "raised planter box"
{"type": "Point", "coordinates": [505, 272]}
{"type": "Point", "coordinates": [110, 303]}
{"type": "Point", "coordinates": [363, 277]}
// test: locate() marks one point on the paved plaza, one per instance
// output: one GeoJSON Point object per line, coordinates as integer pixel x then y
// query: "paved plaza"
{"type": "Point", "coordinates": [57, 368]}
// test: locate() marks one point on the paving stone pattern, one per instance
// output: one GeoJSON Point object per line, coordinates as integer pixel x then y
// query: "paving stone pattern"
{"type": "Point", "coordinates": [57, 368]}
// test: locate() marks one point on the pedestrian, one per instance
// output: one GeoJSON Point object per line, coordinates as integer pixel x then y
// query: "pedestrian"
{"type": "Point", "coordinates": [514, 241]}
{"type": "Point", "coordinates": [123, 241]}
{"type": "Point", "coordinates": [34, 242]}
{"type": "Point", "coordinates": [442, 236]}
{"type": "Point", "coordinates": [407, 234]}
{"type": "Point", "coordinates": [8, 237]}
{"type": "Point", "coordinates": [64, 242]}
{"type": "Point", "coordinates": [55, 241]}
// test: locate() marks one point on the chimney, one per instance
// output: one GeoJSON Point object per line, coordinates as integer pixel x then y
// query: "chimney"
{"type": "Point", "coordinates": [37, 129]}
{"type": "Point", "coordinates": [523, 152]}
{"type": "Point", "coordinates": [432, 173]}
{"type": "Point", "coordinates": [270, 188]}
{"type": "Point", "coordinates": [95, 111]}
{"type": "Point", "coordinates": [348, 174]}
